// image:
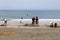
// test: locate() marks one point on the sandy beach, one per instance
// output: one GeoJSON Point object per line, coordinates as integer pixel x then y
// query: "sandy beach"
{"type": "Point", "coordinates": [14, 32]}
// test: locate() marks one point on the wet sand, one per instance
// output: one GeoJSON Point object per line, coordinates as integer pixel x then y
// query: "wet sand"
{"type": "Point", "coordinates": [30, 33]}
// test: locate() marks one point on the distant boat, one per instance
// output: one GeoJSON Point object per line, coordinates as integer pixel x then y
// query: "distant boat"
{"type": "Point", "coordinates": [27, 15]}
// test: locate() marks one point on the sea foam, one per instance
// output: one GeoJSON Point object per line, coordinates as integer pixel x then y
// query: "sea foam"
{"type": "Point", "coordinates": [29, 21]}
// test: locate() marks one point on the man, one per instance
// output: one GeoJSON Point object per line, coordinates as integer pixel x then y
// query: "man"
{"type": "Point", "coordinates": [33, 20]}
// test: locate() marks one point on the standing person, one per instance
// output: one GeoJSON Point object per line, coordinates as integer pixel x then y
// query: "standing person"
{"type": "Point", "coordinates": [21, 19]}
{"type": "Point", "coordinates": [33, 20]}
{"type": "Point", "coordinates": [5, 21]}
{"type": "Point", "coordinates": [37, 19]}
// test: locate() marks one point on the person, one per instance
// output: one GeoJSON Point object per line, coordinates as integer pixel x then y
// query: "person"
{"type": "Point", "coordinates": [51, 24]}
{"type": "Point", "coordinates": [21, 19]}
{"type": "Point", "coordinates": [33, 20]}
{"type": "Point", "coordinates": [5, 21]}
{"type": "Point", "coordinates": [55, 25]}
{"type": "Point", "coordinates": [37, 19]}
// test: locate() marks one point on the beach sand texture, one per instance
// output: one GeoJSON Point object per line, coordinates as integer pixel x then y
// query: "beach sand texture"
{"type": "Point", "coordinates": [29, 33]}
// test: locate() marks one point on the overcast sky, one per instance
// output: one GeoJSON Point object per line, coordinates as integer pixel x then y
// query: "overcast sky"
{"type": "Point", "coordinates": [30, 4]}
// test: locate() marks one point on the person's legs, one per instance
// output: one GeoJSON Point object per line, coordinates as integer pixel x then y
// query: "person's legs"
{"type": "Point", "coordinates": [36, 21]}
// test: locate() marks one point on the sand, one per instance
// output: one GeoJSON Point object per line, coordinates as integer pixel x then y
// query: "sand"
{"type": "Point", "coordinates": [29, 33]}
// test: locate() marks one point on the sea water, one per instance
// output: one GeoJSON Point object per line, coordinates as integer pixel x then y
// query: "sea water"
{"type": "Point", "coordinates": [13, 16]}
{"type": "Point", "coordinates": [28, 14]}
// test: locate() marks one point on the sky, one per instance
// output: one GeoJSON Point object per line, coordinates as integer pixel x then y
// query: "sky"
{"type": "Point", "coordinates": [30, 4]}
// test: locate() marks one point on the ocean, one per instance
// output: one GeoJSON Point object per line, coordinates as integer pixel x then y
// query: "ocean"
{"type": "Point", "coordinates": [45, 16]}
{"type": "Point", "coordinates": [28, 14]}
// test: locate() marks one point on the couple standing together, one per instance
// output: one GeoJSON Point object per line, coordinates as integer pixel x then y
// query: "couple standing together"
{"type": "Point", "coordinates": [35, 20]}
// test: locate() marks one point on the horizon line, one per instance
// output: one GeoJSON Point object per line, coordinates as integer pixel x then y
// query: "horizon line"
{"type": "Point", "coordinates": [19, 9]}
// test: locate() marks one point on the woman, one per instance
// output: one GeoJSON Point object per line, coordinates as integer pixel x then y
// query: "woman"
{"type": "Point", "coordinates": [37, 19]}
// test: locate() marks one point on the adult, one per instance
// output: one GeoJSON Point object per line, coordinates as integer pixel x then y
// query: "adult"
{"type": "Point", "coordinates": [37, 19]}
{"type": "Point", "coordinates": [33, 20]}
{"type": "Point", "coordinates": [5, 21]}
{"type": "Point", "coordinates": [55, 25]}
{"type": "Point", "coordinates": [21, 19]}
{"type": "Point", "coordinates": [51, 24]}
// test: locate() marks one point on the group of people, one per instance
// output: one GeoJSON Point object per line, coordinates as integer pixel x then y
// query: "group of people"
{"type": "Point", "coordinates": [35, 20]}
{"type": "Point", "coordinates": [53, 25]}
